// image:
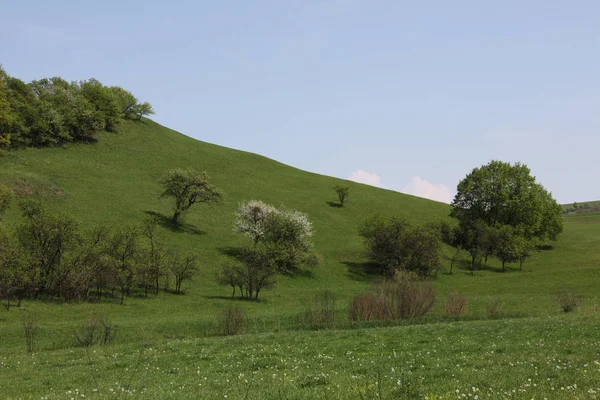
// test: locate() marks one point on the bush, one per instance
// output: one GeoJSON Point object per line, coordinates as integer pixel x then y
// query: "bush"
{"type": "Point", "coordinates": [321, 310]}
{"type": "Point", "coordinates": [30, 329]}
{"type": "Point", "coordinates": [402, 297]}
{"type": "Point", "coordinates": [567, 300]}
{"type": "Point", "coordinates": [97, 330]}
{"type": "Point", "coordinates": [456, 305]}
{"type": "Point", "coordinates": [494, 308]}
{"type": "Point", "coordinates": [230, 321]}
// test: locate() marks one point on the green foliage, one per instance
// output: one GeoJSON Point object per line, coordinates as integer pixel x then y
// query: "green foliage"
{"type": "Point", "coordinates": [6, 196]}
{"type": "Point", "coordinates": [342, 193]}
{"type": "Point", "coordinates": [499, 193]}
{"type": "Point", "coordinates": [50, 112]}
{"type": "Point", "coordinates": [394, 244]}
{"type": "Point", "coordinates": [7, 116]}
{"type": "Point", "coordinates": [188, 187]}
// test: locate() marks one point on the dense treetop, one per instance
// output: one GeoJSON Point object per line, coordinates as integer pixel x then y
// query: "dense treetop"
{"type": "Point", "coordinates": [50, 112]}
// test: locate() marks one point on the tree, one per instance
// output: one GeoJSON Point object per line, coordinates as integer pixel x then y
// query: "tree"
{"type": "Point", "coordinates": [394, 245]}
{"type": "Point", "coordinates": [8, 118]}
{"type": "Point", "coordinates": [383, 238]}
{"type": "Point", "coordinates": [142, 109]}
{"type": "Point", "coordinates": [499, 194]}
{"type": "Point", "coordinates": [257, 272]}
{"type": "Point", "coordinates": [284, 234]}
{"type": "Point", "coordinates": [342, 193]}
{"type": "Point", "coordinates": [157, 255]}
{"type": "Point", "coordinates": [46, 237]}
{"type": "Point", "coordinates": [13, 271]}
{"type": "Point", "coordinates": [188, 187]}
{"type": "Point", "coordinates": [506, 245]}
{"type": "Point", "coordinates": [524, 249]}
{"type": "Point", "coordinates": [423, 251]}
{"type": "Point", "coordinates": [6, 196]}
{"type": "Point", "coordinates": [183, 268]}
{"type": "Point", "coordinates": [251, 218]}
{"type": "Point", "coordinates": [122, 248]}
{"type": "Point", "coordinates": [228, 275]}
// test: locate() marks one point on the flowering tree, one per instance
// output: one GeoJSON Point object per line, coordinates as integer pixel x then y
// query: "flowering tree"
{"type": "Point", "coordinates": [280, 244]}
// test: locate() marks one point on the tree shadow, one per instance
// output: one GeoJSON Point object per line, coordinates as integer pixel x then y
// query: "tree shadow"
{"type": "Point", "coordinates": [334, 204]}
{"type": "Point", "coordinates": [362, 272]}
{"type": "Point", "coordinates": [545, 247]}
{"type": "Point", "coordinates": [231, 251]}
{"type": "Point", "coordinates": [302, 273]}
{"type": "Point", "coordinates": [180, 227]}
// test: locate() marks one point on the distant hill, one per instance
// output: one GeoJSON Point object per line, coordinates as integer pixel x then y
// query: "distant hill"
{"type": "Point", "coordinates": [581, 207]}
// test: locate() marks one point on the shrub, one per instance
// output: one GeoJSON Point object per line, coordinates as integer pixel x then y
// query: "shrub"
{"type": "Point", "coordinates": [494, 308]}
{"type": "Point", "coordinates": [321, 310]}
{"type": "Point", "coordinates": [97, 330]}
{"type": "Point", "coordinates": [456, 305]}
{"type": "Point", "coordinates": [30, 329]}
{"type": "Point", "coordinates": [402, 297]}
{"type": "Point", "coordinates": [567, 300]}
{"type": "Point", "coordinates": [230, 321]}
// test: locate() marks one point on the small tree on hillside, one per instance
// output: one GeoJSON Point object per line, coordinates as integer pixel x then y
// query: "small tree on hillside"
{"type": "Point", "coordinates": [46, 237]}
{"type": "Point", "coordinates": [142, 109]}
{"type": "Point", "coordinates": [183, 268]}
{"type": "Point", "coordinates": [228, 275]}
{"type": "Point", "coordinates": [123, 248]}
{"type": "Point", "coordinates": [188, 187]}
{"type": "Point", "coordinates": [383, 238]}
{"type": "Point", "coordinates": [251, 218]}
{"type": "Point", "coordinates": [342, 193]}
{"type": "Point", "coordinates": [506, 245]}
{"type": "Point", "coordinates": [257, 272]}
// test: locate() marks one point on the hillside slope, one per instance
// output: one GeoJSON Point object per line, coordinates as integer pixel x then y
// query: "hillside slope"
{"type": "Point", "coordinates": [114, 182]}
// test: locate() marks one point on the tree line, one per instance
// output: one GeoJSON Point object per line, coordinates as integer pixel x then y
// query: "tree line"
{"type": "Point", "coordinates": [52, 111]}
{"type": "Point", "coordinates": [49, 256]}
{"type": "Point", "coordinates": [499, 210]}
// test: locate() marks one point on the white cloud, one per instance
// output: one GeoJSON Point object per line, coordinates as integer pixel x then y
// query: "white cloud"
{"type": "Point", "coordinates": [365, 177]}
{"type": "Point", "coordinates": [422, 188]}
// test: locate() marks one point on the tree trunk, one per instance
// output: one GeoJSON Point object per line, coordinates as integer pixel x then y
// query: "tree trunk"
{"type": "Point", "coordinates": [233, 294]}
{"type": "Point", "coordinates": [503, 268]}
{"type": "Point", "coordinates": [175, 217]}
{"type": "Point", "coordinates": [256, 297]}
{"type": "Point", "coordinates": [122, 295]}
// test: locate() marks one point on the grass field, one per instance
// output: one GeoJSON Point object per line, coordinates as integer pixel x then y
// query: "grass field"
{"type": "Point", "coordinates": [114, 182]}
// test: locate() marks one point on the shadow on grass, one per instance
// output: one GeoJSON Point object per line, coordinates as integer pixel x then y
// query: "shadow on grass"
{"type": "Point", "coordinates": [362, 272]}
{"type": "Point", "coordinates": [333, 204]}
{"type": "Point", "coordinates": [545, 247]}
{"type": "Point", "coordinates": [180, 227]}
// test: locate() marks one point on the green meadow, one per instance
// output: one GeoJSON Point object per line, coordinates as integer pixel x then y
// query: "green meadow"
{"type": "Point", "coordinates": [166, 345]}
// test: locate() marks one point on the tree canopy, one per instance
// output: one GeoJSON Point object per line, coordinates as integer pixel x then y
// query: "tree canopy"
{"type": "Point", "coordinates": [52, 111]}
{"type": "Point", "coordinates": [499, 193]}
{"type": "Point", "coordinates": [188, 187]}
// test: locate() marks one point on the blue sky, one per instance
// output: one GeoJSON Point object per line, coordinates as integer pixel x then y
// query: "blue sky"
{"type": "Point", "coordinates": [405, 95]}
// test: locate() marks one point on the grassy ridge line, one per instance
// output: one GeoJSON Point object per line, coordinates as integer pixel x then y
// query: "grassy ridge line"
{"type": "Point", "coordinates": [551, 357]}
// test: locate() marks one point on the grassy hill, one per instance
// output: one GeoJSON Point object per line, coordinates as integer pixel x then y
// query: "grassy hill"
{"type": "Point", "coordinates": [114, 182]}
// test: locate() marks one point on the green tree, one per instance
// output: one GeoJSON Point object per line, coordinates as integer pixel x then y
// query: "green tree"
{"type": "Point", "coordinates": [143, 109]}
{"type": "Point", "coordinates": [183, 268]}
{"type": "Point", "coordinates": [122, 248]}
{"type": "Point", "coordinates": [46, 237]}
{"type": "Point", "coordinates": [14, 275]}
{"type": "Point", "coordinates": [507, 245]}
{"type": "Point", "coordinates": [499, 194]}
{"type": "Point", "coordinates": [383, 239]}
{"type": "Point", "coordinates": [8, 118]}
{"type": "Point", "coordinates": [188, 187]}
{"type": "Point", "coordinates": [6, 196]}
{"type": "Point", "coordinates": [342, 193]}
